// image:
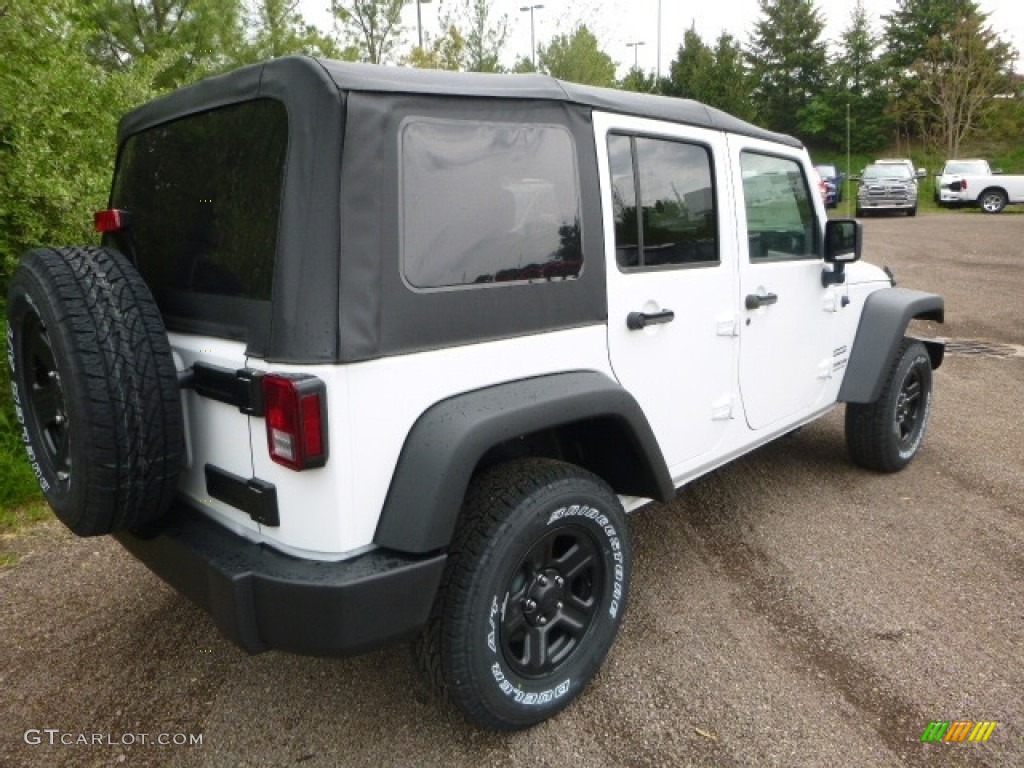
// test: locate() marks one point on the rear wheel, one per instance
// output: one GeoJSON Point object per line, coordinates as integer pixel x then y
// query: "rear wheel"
{"type": "Point", "coordinates": [95, 384]}
{"type": "Point", "coordinates": [992, 200]}
{"type": "Point", "coordinates": [886, 434]}
{"type": "Point", "coordinates": [534, 592]}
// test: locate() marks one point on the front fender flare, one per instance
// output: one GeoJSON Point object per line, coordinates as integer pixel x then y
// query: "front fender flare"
{"type": "Point", "coordinates": [448, 440]}
{"type": "Point", "coordinates": [883, 323]}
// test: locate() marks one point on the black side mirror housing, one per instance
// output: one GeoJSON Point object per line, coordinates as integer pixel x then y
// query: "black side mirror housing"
{"type": "Point", "coordinates": [843, 243]}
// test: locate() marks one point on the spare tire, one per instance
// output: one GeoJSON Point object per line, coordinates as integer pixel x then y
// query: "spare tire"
{"type": "Point", "coordinates": [95, 388]}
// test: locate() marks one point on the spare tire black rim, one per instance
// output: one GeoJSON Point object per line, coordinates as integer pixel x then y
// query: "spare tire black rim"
{"type": "Point", "coordinates": [551, 602]}
{"type": "Point", "coordinates": [44, 399]}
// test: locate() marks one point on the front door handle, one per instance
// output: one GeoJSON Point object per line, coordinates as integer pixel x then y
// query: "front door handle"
{"type": "Point", "coordinates": [756, 301]}
{"type": "Point", "coordinates": [637, 321]}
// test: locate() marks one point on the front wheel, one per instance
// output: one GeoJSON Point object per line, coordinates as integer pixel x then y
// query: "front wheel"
{"type": "Point", "coordinates": [536, 587]}
{"type": "Point", "coordinates": [912, 211]}
{"type": "Point", "coordinates": [886, 434]}
{"type": "Point", "coordinates": [992, 200]}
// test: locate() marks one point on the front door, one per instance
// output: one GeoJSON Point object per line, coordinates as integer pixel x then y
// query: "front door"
{"type": "Point", "coordinates": [788, 316]}
{"type": "Point", "coordinates": [672, 323]}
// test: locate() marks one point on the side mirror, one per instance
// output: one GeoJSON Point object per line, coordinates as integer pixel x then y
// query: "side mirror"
{"type": "Point", "coordinates": [843, 242]}
{"type": "Point", "coordinates": [855, 177]}
{"type": "Point", "coordinates": [997, 171]}
{"type": "Point", "coordinates": [921, 173]}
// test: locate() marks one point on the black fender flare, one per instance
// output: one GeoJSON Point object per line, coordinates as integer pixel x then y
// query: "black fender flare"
{"type": "Point", "coordinates": [883, 323]}
{"type": "Point", "coordinates": [448, 440]}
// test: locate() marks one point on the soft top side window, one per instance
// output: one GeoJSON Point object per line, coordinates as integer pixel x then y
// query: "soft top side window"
{"type": "Point", "coordinates": [488, 202]}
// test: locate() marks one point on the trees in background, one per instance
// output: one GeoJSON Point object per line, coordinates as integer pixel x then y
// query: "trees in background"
{"type": "Point", "coordinates": [788, 65]}
{"type": "Point", "coordinates": [716, 76]}
{"type": "Point", "coordinates": [578, 58]}
{"type": "Point", "coordinates": [375, 25]}
{"type": "Point", "coordinates": [947, 68]}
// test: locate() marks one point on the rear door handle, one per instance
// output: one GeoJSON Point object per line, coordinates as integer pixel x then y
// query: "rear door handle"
{"type": "Point", "coordinates": [756, 301]}
{"type": "Point", "coordinates": [637, 321]}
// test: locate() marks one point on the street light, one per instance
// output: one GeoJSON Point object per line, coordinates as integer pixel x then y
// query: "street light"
{"type": "Point", "coordinates": [419, 21]}
{"type": "Point", "coordinates": [636, 52]}
{"type": "Point", "coordinates": [533, 44]}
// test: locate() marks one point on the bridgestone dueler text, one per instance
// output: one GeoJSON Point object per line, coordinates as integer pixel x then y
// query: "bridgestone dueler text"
{"type": "Point", "coordinates": [94, 387]}
{"type": "Point", "coordinates": [536, 587]}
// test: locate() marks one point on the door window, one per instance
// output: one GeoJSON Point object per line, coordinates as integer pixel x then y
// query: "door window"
{"type": "Point", "coordinates": [675, 222]}
{"type": "Point", "coordinates": [781, 224]}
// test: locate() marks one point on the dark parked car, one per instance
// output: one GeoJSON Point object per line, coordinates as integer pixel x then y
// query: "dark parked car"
{"type": "Point", "coordinates": [834, 178]}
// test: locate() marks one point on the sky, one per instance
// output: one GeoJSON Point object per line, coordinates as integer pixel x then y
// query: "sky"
{"type": "Point", "coordinates": [618, 22]}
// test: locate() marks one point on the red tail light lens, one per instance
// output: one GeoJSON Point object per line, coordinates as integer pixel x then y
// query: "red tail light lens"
{"type": "Point", "coordinates": [110, 220]}
{"type": "Point", "coordinates": [295, 407]}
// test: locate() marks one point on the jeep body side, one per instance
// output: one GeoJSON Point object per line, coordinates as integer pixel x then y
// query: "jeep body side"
{"type": "Point", "coordinates": [397, 299]}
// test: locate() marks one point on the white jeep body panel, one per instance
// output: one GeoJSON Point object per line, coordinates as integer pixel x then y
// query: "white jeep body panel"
{"type": "Point", "coordinates": [715, 383]}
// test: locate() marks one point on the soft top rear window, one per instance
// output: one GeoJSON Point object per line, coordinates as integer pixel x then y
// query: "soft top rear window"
{"type": "Point", "coordinates": [204, 193]}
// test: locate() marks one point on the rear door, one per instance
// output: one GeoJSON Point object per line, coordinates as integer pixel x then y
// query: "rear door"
{"type": "Point", "coordinates": [672, 323]}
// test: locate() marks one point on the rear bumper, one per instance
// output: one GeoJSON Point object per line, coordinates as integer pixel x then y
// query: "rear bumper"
{"type": "Point", "coordinates": [262, 599]}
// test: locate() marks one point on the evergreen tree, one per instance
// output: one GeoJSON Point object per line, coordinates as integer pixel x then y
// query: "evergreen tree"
{"type": "Point", "coordinates": [692, 69]}
{"type": "Point", "coordinates": [859, 80]}
{"type": "Point", "coordinates": [788, 66]}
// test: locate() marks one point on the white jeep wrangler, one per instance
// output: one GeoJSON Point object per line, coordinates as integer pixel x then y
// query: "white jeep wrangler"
{"type": "Point", "coordinates": [374, 353]}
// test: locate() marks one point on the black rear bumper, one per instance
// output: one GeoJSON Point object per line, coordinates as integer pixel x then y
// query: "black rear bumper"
{"type": "Point", "coordinates": [262, 599]}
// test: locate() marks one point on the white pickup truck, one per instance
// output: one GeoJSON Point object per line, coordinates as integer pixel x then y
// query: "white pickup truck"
{"type": "Point", "coordinates": [964, 182]}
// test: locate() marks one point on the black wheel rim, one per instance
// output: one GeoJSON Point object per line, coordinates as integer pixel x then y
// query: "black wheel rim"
{"type": "Point", "coordinates": [43, 399]}
{"type": "Point", "coordinates": [552, 601]}
{"type": "Point", "coordinates": [909, 408]}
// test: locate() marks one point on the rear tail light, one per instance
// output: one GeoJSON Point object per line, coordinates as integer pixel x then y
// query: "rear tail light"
{"type": "Point", "coordinates": [295, 407]}
{"type": "Point", "coordinates": [110, 220]}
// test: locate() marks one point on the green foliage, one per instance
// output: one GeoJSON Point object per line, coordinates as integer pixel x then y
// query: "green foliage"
{"type": "Point", "coordinates": [17, 482]}
{"type": "Point", "coordinates": [485, 37]}
{"type": "Point", "coordinates": [445, 52]}
{"type": "Point", "coordinates": [190, 38]}
{"type": "Point", "coordinates": [788, 66]}
{"type": "Point", "coordinates": [715, 76]}
{"type": "Point", "coordinates": [58, 120]}
{"type": "Point", "coordinates": [577, 58]}
{"type": "Point", "coordinates": [374, 25]}
{"type": "Point", "coordinates": [276, 29]}
{"type": "Point", "coordinates": [639, 81]}
{"type": "Point", "coordinates": [947, 66]}
{"type": "Point", "coordinates": [858, 80]}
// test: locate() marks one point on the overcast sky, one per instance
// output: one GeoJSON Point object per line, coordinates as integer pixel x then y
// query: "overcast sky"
{"type": "Point", "coordinates": [617, 22]}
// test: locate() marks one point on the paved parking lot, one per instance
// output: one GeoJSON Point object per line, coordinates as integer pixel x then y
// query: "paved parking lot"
{"type": "Point", "coordinates": [788, 610]}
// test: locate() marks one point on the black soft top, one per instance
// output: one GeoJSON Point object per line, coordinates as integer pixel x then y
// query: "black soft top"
{"type": "Point", "coordinates": [303, 75]}
{"type": "Point", "coordinates": [338, 294]}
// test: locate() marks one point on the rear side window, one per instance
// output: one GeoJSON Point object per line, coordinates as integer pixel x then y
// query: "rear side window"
{"type": "Point", "coordinates": [205, 193]}
{"type": "Point", "coordinates": [675, 223]}
{"type": "Point", "coordinates": [488, 203]}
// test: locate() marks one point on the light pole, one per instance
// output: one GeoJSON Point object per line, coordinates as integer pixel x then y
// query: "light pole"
{"type": "Point", "coordinates": [533, 44]}
{"type": "Point", "coordinates": [419, 21]}
{"type": "Point", "coordinates": [658, 81]}
{"type": "Point", "coordinates": [636, 52]}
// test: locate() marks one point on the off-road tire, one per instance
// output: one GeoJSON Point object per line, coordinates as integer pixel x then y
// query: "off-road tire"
{"type": "Point", "coordinates": [94, 387]}
{"type": "Point", "coordinates": [523, 524]}
{"type": "Point", "coordinates": [886, 434]}
{"type": "Point", "coordinates": [912, 211]}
